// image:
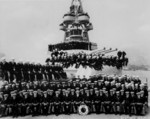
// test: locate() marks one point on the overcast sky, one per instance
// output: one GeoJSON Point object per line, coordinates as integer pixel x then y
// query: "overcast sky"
{"type": "Point", "coordinates": [28, 26]}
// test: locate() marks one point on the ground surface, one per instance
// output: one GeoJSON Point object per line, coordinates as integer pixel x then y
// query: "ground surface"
{"type": "Point", "coordinates": [93, 116]}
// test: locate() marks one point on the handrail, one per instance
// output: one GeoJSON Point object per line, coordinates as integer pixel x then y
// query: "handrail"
{"type": "Point", "coordinates": [98, 51]}
{"type": "Point", "coordinates": [110, 51]}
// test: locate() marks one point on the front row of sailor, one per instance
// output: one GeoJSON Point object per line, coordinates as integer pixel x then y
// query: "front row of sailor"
{"type": "Point", "coordinates": [68, 101]}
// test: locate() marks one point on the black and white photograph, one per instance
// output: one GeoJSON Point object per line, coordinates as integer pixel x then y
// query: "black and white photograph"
{"type": "Point", "coordinates": [74, 59]}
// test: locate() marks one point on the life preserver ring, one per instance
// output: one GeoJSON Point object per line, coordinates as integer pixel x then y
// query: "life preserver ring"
{"type": "Point", "coordinates": [83, 110]}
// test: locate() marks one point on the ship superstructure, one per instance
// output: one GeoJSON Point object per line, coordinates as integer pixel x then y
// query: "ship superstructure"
{"type": "Point", "coordinates": [76, 25]}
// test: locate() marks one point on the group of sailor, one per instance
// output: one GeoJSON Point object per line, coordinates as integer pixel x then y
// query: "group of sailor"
{"type": "Point", "coordinates": [77, 45]}
{"type": "Point", "coordinates": [96, 61]}
{"type": "Point", "coordinates": [101, 93]}
{"type": "Point", "coordinates": [13, 71]}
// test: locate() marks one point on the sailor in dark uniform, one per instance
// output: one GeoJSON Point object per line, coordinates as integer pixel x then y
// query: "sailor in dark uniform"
{"type": "Point", "coordinates": [83, 60]}
{"type": "Point", "coordinates": [122, 101]}
{"type": "Point", "coordinates": [82, 95]}
{"type": "Point", "coordinates": [83, 84]}
{"type": "Point", "coordinates": [35, 86]}
{"type": "Point", "coordinates": [5, 74]}
{"type": "Point", "coordinates": [145, 103]}
{"type": "Point", "coordinates": [137, 88]}
{"type": "Point", "coordinates": [77, 99]}
{"type": "Point", "coordinates": [40, 96]}
{"type": "Point", "coordinates": [58, 86]}
{"type": "Point", "coordinates": [72, 98]}
{"type": "Point", "coordinates": [87, 85]}
{"type": "Point", "coordinates": [118, 86]}
{"type": "Point", "coordinates": [69, 84]}
{"type": "Point", "coordinates": [127, 103]}
{"type": "Point", "coordinates": [23, 86]}
{"type": "Point", "coordinates": [63, 86]}
{"type": "Point", "coordinates": [24, 104]}
{"type": "Point", "coordinates": [25, 75]}
{"type": "Point", "coordinates": [2, 105]}
{"type": "Point", "coordinates": [50, 95]}
{"type": "Point", "coordinates": [7, 103]}
{"type": "Point", "coordinates": [57, 103]}
{"type": "Point", "coordinates": [97, 102]}
{"type": "Point", "coordinates": [87, 98]}
{"type": "Point", "coordinates": [17, 75]}
{"type": "Point", "coordinates": [67, 102]}
{"type": "Point", "coordinates": [35, 104]}
{"type": "Point", "coordinates": [13, 87]}
{"type": "Point", "coordinates": [14, 105]}
{"type": "Point", "coordinates": [108, 85]}
{"type": "Point", "coordinates": [92, 106]}
{"type": "Point", "coordinates": [132, 103]}
{"type": "Point", "coordinates": [45, 104]}
{"type": "Point", "coordinates": [112, 84]}
{"type": "Point", "coordinates": [118, 103]}
{"type": "Point", "coordinates": [107, 102]}
{"type": "Point", "coordinates": [126, 60]}
{"type": "Point", "coordinates": [123, 54]}
{"type": "Point", "coordinates": [119, 54]}
{"type": "Point", "coordinates": [62, 97]}
{"type": "Point", "coordinates": [11, 70]}
{"type": "Point", "coordinates": [19, 102]}
{"type": "Point", "coordinates": [32, 75]}
{"type": "Point", "coordinates": [101, 97]}
{"type": "Point", "coordinates": [138, 104]}
{"type": "Point", "coordinates": [92, 90]}
{"type": "Point", "coordinates": [5, 89]}
{"type": "Point", "coordinates": [30, 101]}
{"type": "Point", "coordinates": [112, 98]}
{"type": "Point", "coordinates": [78, 61]}
{"type": "Point", "coordinates": [44, 86]}
{"type": "Point", "coordinates": [74, 84]}
{"type": "Point", "coordinates": [46, 75]}
{"type": "Point", "coordinates": [39, 75]}
{"type": "Point", "coordinates": [145, 89]}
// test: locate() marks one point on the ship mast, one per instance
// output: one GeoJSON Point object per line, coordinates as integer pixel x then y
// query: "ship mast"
{"type": "Point", "coordinates": [76, 23]}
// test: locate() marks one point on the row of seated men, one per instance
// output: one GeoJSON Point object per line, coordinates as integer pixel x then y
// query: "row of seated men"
{"type": "Point", "coordinates": [126, 83]}
{"type": "Point", "coordinates": [117, 78]}
{"type": "Point", "coordinates": [20, 71]}
{"type": "Point", "coordinates": [98, 82]}
{"type": "Point", "coordinates": [56, 52]}
{"type": "Point", "coordinates": [66, 101]}
{"type": "Point", "coordinates": [72, 45]}
{"type": "Point", "coordinates": [96, 61]}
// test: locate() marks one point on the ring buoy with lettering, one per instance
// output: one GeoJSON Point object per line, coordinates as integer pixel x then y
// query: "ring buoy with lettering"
{"type": "Point", "coordinates": [83, 110]}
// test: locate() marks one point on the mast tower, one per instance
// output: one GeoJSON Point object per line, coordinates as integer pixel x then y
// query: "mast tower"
{"type": "Point", "coordinates": [76, 25]}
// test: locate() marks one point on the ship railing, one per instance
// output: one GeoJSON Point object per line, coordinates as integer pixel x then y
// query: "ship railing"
{"type": "Point", "coordinates": [109, 51]}
{"type": "Point", "coordinates": [104, 51]}
{"type": "Point", "coordinates": [93, 52]}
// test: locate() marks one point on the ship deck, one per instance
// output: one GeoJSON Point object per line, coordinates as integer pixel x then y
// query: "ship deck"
{"type": "Point", "coordinates": [92, 116]}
